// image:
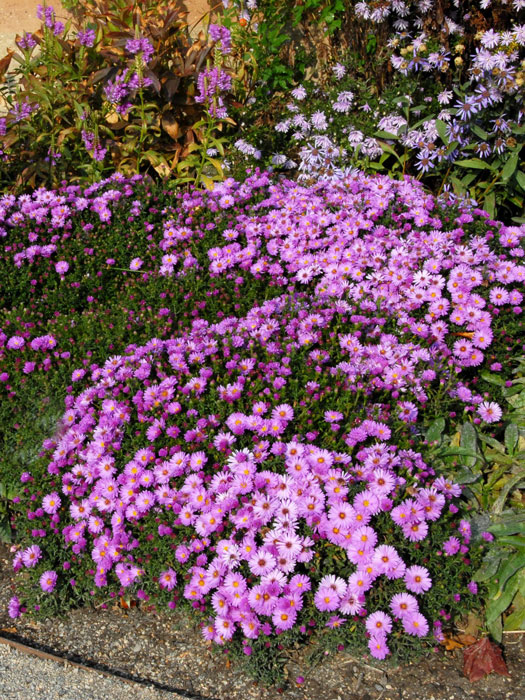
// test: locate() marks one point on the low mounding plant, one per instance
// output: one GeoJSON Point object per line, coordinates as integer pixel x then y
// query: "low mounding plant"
{"type": "Point", "coordinates": [269, 466]}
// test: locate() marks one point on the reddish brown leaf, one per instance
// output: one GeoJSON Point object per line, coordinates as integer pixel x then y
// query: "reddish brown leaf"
{"type": "Point", "coordinates": [4, 63]}
{"type": "Point", "coordinates": [482, 658]}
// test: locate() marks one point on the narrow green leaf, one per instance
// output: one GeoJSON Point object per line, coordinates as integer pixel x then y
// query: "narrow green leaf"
{"type": "Point", "coordinates": [441, 128]}
{"type": "Point", "coordinates": [508, 571]}
{"type": "Point", "coordinates": [509, 486]}
{"type": "Point", "coordinates": [473, 163]}
{"type": "Point", "coordinates": [507, 529]}
{"type": "Point", "coordinates": [385, 135]}
{"type": "Point", "coordinates": [489, 204]}
{"type": "Point", "coordinates": [492, 378]}
{"type": "Point", "coordinates": [469, 440]}
{"type": "Point", "coordinates": [516, 620]}
{"type": "Point", "coordinates": [495, 629]}
{"type": "Point", "coordinates": [217, 165]}
{"type": "Point", "coordinates": [510, 166]}
{"type": "Point", "coordinates": [503, 599]}
{"type": "Point", "coordinates": [511, 437]}
{"type": "Point", "coordinates": [489, 566]}
{"type": "Point", "coordinates": [517, 401]}
{"type": "Point", "coordinates": [520, 177]}
{"type": "Point", "coordinates": [479, 132]}
{"type": "Point", "coordinates": [466, 476]}
{"type": "Point", "coordinates": [517, 541]}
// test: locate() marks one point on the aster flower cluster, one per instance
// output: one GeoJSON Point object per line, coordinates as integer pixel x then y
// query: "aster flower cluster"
{"type": "Point", "coordinates": [264, 448]}
{"type": "Point", "coordinates": [257, 526]}
{"type": "Point", "coordinates": [450, 302]}
{"type": "Point", "coordinates": [404, 15]}
{"type": "Point", "coordinates": [495, 80]}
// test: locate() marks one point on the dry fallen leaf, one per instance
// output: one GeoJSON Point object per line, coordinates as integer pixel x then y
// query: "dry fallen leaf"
{"type": "Point", "coordinates": [458, 641]}
{"type": "Point", "coordinates": [9, 630]}
{"type": "Point", "coordinates": [482, 658]}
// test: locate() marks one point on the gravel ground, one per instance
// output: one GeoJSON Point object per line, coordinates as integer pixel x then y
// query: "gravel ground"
{"type": "Point", "coordinates": [48, 680]}
{"type": "Point", "coordinates": [166, 651]}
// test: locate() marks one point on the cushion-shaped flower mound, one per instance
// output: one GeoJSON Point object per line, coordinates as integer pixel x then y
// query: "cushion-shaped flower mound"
{"type": "Point", "coordinates": [192, 436]}
{"type": "Point", "coordinates": [269, 470]}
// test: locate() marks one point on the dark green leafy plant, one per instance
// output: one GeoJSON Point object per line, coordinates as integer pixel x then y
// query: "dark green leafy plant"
{"type": "Point", "coordinates": [8, 492]}
{"type": "Point", "coordinates": [92, 100]}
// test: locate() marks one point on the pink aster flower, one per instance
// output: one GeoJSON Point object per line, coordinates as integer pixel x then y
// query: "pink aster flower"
{"type": "Point", "coordinates": [62, 267]}
{"type": "Point", "coordinates": [335, 621]}
{"type": "Point", "coordinates": [417, 579]}
{"type": "Point", "coordinates": [415, 624]}
{"type": "Point", "coordinates": [326, 599]}
{"type": "Point", "coordinates": [48, 581]}
{"type": "Point", "coordinates": [451, 546]}
{"type": "Point", "coordinates": [13, 608]}
{"type": "Point", "coordinates": [168, 579]}
{"type": "Point", "coordinates": [333, 416]}
{"type": "Point", "coordinates": [15, 342]}
{"type": "Point", "coordinates": [136, 264]}
{"type": "Point", "coordinates": [499, 296]}
{"type": "Point", "coordinates": [378, 623]}
{"type": "Point", "coordinates": [378, 646]}
{"type": "Point", "coordinates": [489, 411]}
{"type": "Point", "coordinates": [31, 555]}
{"type": "Point", "coordinates": [51, 503]}
{"type": "Point", "coordinates": [403, 604]}
{"type": "Point", "coordinates": [284, 618]}
{"type": "Point", "coordinates": [415, 531]}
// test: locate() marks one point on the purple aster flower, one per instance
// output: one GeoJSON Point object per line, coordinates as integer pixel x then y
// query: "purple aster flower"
{"type": "Point", "coordinates": [48, 581]}
{"type": "Point", "coordinates": [136, 264]}
{"type": "Point", "coordinates": [451, 546]}
{"type": "Point", "coordinates": [415, 624]}
{"type": "Point", "coordinates": [168, 579]}
{"type": "Point", "coordinates": [31, 556]}
{"type": "Point", "coordinates": [13, 608]}
{"type": "Point", "coordinates": [15, 342]}
{"type": "Point", "coordinates": [378, 646]}
{"type": "Point", "coordinates": [403, 604]}
{"type": "Point", "coordinates": [51, 503]}
{"type": "Point", "coordinates": [378, 623]}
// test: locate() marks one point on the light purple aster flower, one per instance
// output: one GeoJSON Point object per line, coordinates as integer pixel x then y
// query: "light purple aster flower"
{"type": "Point", "coordinates": [48, 581]}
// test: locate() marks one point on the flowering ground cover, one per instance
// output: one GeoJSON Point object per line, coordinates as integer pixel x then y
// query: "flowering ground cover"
{"type": "Point", "coordinates": [290, 407]}
{"type": "Point", "coordinates": [259, 449]}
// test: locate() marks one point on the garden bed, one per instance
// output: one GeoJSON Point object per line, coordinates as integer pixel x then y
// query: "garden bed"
{"type": "Point", "coordinates": [169, 651]}
{"type": "Point", "coordinates": [266, 417]}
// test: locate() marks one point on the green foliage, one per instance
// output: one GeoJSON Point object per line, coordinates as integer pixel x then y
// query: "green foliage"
{"type": "Point", "coordinates": [503, 572]}
{"type": "Point", "coordinates": [492, 472]}
{"type": "Point", "coordinates": [284, 40]}
{"type": "Point", "coordinates": [8, 491]}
